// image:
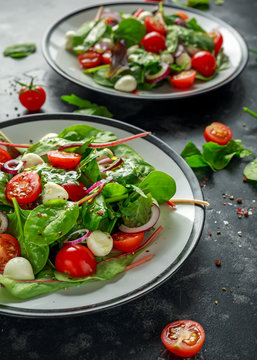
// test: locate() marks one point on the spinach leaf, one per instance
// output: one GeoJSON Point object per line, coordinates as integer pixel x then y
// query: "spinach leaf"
{"type": "Point", "coordinates": [50, 221]}
{"type": "Point", "coordinates": [138, 212]}
{"type": "Point", "coordinates": [4, 178]}
{"type": "Point", "coordinates": [90, 169]}
{"type": "Point", "coordinates": [172, 38]}
{"type": "Point", "coordinates": [161, 186]}
{"type": "Point", "coordinates": [113, 189]}
{"type": "Point", "coordinates": [222, 61]}
{"type": "Point", "coordinates": [200, 4]}
{"type": "Point", "coordinates": [149, 61]}
{"type": "Point", "coordinates": [170, 19]}
{"type": "Point", "coordinates": [93, 36]}
{"type": "Point", "coordinates": [80, 34]}
{"type": "Point", "coordinates": [101, 78]}
{"type": "Point", "coordinates": [58, 176]}
{"type": "Point", "coordinates": [194, 38]}
{"type": "Point", "coordinates": [193, 24]}
{"type": "Point", "coordinates": [20, 50]}
{"type": "Point", "coordinates": [86, 107]}
{"type": "Point", "coordinates": [94, 212]}
{"type": "Point", "coordinates": [250, 171]}
{"type": "Point", "coordinates": [131, 30]}
{"type": "Point", "coordinates": [82, 132]}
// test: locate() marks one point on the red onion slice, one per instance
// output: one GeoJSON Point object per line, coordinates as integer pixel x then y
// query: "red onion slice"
{"type": "Point", "coordinates": [3, 223]}
{"type": "Point", "coordinates": [12, 166]}
{"type": "Point", "coordinates": [115, 164]}
{"type": "Point", "coordinates": [113, 15]}
{"type": "Point", "coordinates": [160, 75]}
{"type": "Point", "coordinates": [104, 161]}
{"type": "Point", "coordinates": [154, 218]}
{"type": "Point", "coordinates": [98, 183]}
{"type": "Point", "coordinates": [79, 240]}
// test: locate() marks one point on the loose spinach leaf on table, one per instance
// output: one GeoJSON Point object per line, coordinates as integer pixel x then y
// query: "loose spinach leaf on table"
{"type": "Point", "coordinates": [131, 30]}
{"type": "Point", "coordinates": [20, 50]}
{"type": "Point", "coordinates": [250, 171]}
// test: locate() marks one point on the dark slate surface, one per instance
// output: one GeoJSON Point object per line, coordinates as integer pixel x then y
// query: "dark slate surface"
{"type": "Point", "coordinates": [132, 331]}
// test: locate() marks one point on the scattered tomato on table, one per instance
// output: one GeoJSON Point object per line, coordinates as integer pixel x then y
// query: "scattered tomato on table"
{"type": "Point", "coordinates": [218, 133]}
{"type": "Point", "coordinates": [32, 96]}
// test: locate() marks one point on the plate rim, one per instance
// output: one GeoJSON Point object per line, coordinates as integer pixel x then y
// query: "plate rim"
{"type": "Point", "coordinates": [190, 246]}
{"type": "Point", "coordinates": [170, 96]}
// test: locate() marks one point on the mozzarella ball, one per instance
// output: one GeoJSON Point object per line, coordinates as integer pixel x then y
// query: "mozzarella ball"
{"type": "Point", "coordinates": [19, 268]}
{"type": "Point", "coordinates": [53, 191]}
{"type": "Point", "coordinates": [68, 40]}
{"type": "Point", "coordinates": [126, 83]}
{"type": "Point", "coordinates": [143, 15]}
{"type": "Point", "coordinates": [100, 243]}
{"type": "Point", "coordinates": [30, 160]}
{"type": "Point", "coordinates": [184, 60]}
{"type": "Point", "coordinates": [192, 50]}
{"type": "Point", "coordinates": [167, 58]}
{"type": "Point", "coordinates": [132, 49]}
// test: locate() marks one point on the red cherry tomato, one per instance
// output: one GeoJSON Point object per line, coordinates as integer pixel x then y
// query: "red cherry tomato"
{"type": "Point", "coordinates": [204, 62]}
{"type": "Point", "coordinates": [25, 187]}
{"type": "Point", "coordinates": [127, 242]}
{"type": "Point", "coordinates": [4, 156]}
{"type": "Point", "coordinates": [218, 41]}
{"type": "Point", "coordinates": [183, 338]}
{"type": "Point", "coordinates": [9, 248]}
{"type": "Point", "coordinates": [76, 191]}
{"type": "Point", "coordinates": [218, 133]}
{"type": "Point", "coordinates": [111, 21]}
{"type": "Point", "coordinates": [184, 80]}
{"type": "Point", "coordinates": [182, 15]}
{"type": "Point", "coordinates": [75, 260]}
{"type": "Point", "coordinates": [138, 12]}
{"type": "Point", "coordinates": [153, 24]}
{"type": "Point", "coordinates": [32, 97]}
{"type": "Point", "coordinates": [89, 59]}
{"type": "Point", "coordinates": [154, 42]}
{"type": "Point", "coordinates": [106, 57]}
{"type": "Point", "coordinates": [63, 160]}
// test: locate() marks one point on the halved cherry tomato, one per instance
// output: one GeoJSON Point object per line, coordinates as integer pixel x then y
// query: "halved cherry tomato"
{"type": "Point", "coordinates": [89, 59]}
{"type": "Point", "coordinates": [9, 248]}
{"type": "Point", "coordinates": [183, 338]}
{"type": "Point", "coordinates": [111, 21]}
{"type": "Point", "coordinates": [127, 242]}
{"type": "Point", "coordinates": [182, 15]}
{"type": "Point", "coordinates": [218, 41]}
{"type": "Point", "coordinates": [76, 191]}
{"type": "Point", "coordinates": [154, 42]}
{"type": "Point", "coordinates": [106, 57]}
{"type": "Point", "coordinates": [75, 260]}
{"type": "Point", "coordinates": [204, 62]}
{"type": "Point", "coordinates": [184, 80]}
{"type": "Point", "coordinates": [218, 133]}
{"type": "Point", "coordinates": [153, 24]}
{"type": "Point", "coordinates": [63, 160]}
{"type": "Point", "coordinates": [25, 187]}
{"type": "Point", "coordinates": [138, 12]}
{"type": "Point", "coordinates": [4, 156]}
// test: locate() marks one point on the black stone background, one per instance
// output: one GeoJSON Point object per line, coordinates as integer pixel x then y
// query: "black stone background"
{"type": "Point", "coordinates": [132, 331]}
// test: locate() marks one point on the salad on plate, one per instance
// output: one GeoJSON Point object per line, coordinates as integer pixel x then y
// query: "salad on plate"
{"type": "Point", "coordinates": [75, 207]}
{"type": "Point", "coordinates": [145, 49]}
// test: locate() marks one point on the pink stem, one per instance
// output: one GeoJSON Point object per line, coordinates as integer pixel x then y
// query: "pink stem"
{"type": "Point", "coordinates": [139, 262]}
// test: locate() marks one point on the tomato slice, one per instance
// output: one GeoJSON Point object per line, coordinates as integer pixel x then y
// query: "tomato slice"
{"type": "Point", "coordinates": [25, 187]}
{"type": "Point", "coordinates": [182, 15]}
{"type": "Point", "coordinates": [63, 160]}
{"type": "Point", "coordinates": [218, 41]}
{"type": "Point", "coordinates": [153, 24]}
{"type": "Point", "coordinates": [76, 191]}
{"type": "Point", "coordinates": [127, 242]}
{"type": "Point", "coordinates": [204, 62]}
{"type": "Point", "coordinates": [154, 42]}
{"type": "Point", "coordinates": [183, 338]}
{"type": "Point", "coordinates": [218, 133]}
{"type": "Point", "coordinates": [9, 248]}
{"type": "Point", "coordinates": [89, 59]}
{"type": "Point", "coordinates": [75, 260]}
{"type": "Point", "coordinates": [106, 57]}
{"type": "Point", "coordinates": [4, 156]}
{"type": "Point", "coordinates": [184, 80]}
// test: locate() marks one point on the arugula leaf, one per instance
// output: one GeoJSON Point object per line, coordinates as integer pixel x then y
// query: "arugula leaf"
{"type": "Point", "coordinates": [86, 107]}
{"type": "Point", "coordinates": [131, 30]}
{"type": "Point", "coordinates": [250, 171]}
{"type": "Point", "coordinates": [20, 50]}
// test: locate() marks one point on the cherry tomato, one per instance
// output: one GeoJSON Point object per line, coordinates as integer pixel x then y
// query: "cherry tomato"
{"type": "Point", "coordinates": [25, 187]}
{"type": "Point", "coordinates": [153, 24]}
{"type": "Point", "coordinates": [63, 160]}
{"type": "Point", "coordinates": [182, 15]}
{"type": "Point", "coordinates": [183, 338]}
{"type": "Point", "coordinates": [89, 59]}
{"type": "Point", "coordinates": [138, 12]}
{"type": "Point", "coordinates": [184, 80]}
{"type": "Point", "coordinates": [4, 156]}
{"type": "Point", "coordinates": [31, 96]}
{"type": "Point", "coordinates": [218, 133]}
{"type": "Point", "coordinates": [204, 62]}
{"type": "Point", "coordinates": [106, 57]}
{"type": "Point", "coordinates": [127, 242]}
{"type": "Point", "coordinates": [76, 191]}
{"type": "Point", "coordinates": [9, 248]}
{"type": "Point", "coordinates": [75, 260]}
{"type": "Point", "coordinates": [218, 41]}
{"type": "Point", "coordinates": [111, 21]}
{"type": "Point", "coordinates": [154, 42]}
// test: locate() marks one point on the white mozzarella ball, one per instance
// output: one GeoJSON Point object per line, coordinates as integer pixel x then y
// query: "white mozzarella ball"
{"type": "Point", "coordinates": [54, 191]}
{"type": "Point", "coordinates": [19, 268]}
{"type": "Point", "coordinates": [68, 40]}
{"type": "Point", "coordinates": [143, 15]}
{"type": "Point", "coordinates": [126, 83]}
{"type": "Point", "coordinates": [167, 58]}
{"type": "Point", "coordinates": [184, 60]}
{"type": "Point", "coordinates": [100, 243]}
{"type": "Point", "coordinates": [132, 49]}
{"type": "Point", "coordinates": [30, 160]}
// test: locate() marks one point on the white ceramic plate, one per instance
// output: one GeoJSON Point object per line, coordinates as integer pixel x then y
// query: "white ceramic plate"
{"type": "Point", "coordinates": [182, 227]}
{"type": "Point", "coordinates": [66, 64]}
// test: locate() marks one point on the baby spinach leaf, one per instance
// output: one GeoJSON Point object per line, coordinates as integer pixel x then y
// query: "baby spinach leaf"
{"type": "Point", "coordinates": [82, 132]}
{"type": "Point", "coordinates": [4, 178]}
{"type": "Point", "coordinates": [80, 34]}
{"type": "Point", "coordinates": [94, 35]}
{"type": "Point", "coordinates": [90, 172]}
{"type": "Point", "coordinates": [49, 221]}
{"type": "Point", "coordinates": [113, 189]}
{"type": "Point", "coordinates": [131, 30]}
{"type": "Point", "coordinates": [193, 38]}
{"type": "Point", "coordinates": [172, 39]}
{"type": "Point", "coordinates": [94, 212]}
{"type": "Point", "coordinates": [138, 212]}
{"type": "Point", "coordinates": [101, 78]}
{"type": "Point", "coordinates": [58, 176]}
{"type": "Point", "coordinates": [20, 50]}
{"type": "Point", "coordinates": [250, 171]}
{"type": "Point", "coordinates": [193, 24]}
{"type": "Point", "coordinates": [149, 61]}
